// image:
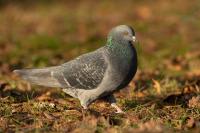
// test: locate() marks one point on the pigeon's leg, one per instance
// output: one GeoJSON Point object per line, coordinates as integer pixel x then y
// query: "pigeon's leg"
{"type": "Point", "coordinates": [84, 109]}
{"type": "Point", "coordinates": [111, 99]}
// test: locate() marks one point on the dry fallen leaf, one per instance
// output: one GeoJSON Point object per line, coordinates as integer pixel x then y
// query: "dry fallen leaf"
{"type": "Point", "coordinates": [194, 102]}
{"type": "Point", "coordinates": [156, 85]}
{"type": "Point", "coordinates": [45, 96]}
{"type": "Point", "coordinates": [190, 122]}
{"type": "Point", "coordinates": [49, 116]}
{"type": "Point", "coordinates": [151, 126]}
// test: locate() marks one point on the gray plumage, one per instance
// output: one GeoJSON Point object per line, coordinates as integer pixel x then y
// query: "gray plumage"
{"type": "Point", "coordinates": [93, 75]}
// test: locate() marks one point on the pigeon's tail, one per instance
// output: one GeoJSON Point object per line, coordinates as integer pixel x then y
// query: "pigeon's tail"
{"type": "Point", "coordinates": [43, 77]}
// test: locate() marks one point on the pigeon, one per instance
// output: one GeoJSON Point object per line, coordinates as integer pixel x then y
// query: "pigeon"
{"type": "Point", "coordinates": [94, 75]}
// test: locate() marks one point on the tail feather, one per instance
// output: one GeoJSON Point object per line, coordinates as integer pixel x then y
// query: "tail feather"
{"type": "Point", "coordinates": [43, 77]}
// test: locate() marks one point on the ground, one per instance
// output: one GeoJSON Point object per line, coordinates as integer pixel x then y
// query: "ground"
{"type": "Point", "coordinates": [164, 96]}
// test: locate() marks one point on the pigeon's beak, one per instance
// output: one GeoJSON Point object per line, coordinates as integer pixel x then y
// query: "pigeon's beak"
{"type": "Point", "coordinates": [134, 39]}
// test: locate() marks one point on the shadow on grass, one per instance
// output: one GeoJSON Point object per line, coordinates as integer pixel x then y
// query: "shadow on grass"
{"type": "Point", "coordinates": [25, 95]}
{"type": "Point", "coordinates": [181, 99]}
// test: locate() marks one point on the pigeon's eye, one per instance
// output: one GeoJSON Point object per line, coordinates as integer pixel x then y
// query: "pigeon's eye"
{"type": "Point", "coordinates": [125, 33]}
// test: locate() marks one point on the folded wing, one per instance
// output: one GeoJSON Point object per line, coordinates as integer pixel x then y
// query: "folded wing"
{"type": "Point", "coordinates": [85, 72]}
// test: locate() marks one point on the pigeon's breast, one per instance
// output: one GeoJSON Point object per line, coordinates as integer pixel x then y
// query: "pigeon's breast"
{"type": "Point", "coordinates": [127, 68]}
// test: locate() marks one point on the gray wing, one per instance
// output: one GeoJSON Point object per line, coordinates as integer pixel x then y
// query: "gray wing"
{"type": "Point", "coordinates": [85, 72]}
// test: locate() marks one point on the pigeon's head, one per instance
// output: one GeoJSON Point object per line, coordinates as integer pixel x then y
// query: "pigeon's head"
{"type": "Point", "coordinates": [122, 34]}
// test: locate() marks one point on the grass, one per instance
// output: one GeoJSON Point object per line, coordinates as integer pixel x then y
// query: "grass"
{"type": "Point", "coordinates": [163, 97]}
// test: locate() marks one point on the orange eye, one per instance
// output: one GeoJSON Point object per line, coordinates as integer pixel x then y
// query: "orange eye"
{"type": "Point", "coordinates": [125, 33]}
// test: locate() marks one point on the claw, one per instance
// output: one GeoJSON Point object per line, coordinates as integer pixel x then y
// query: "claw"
{"type": "Point", "coordinates": [119, 111]}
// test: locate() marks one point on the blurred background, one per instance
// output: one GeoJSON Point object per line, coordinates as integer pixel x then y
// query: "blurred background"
{"type": "Point", "coordinates": [165, 93]}
{"type": "Point", "coordinates": [50, 32]}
